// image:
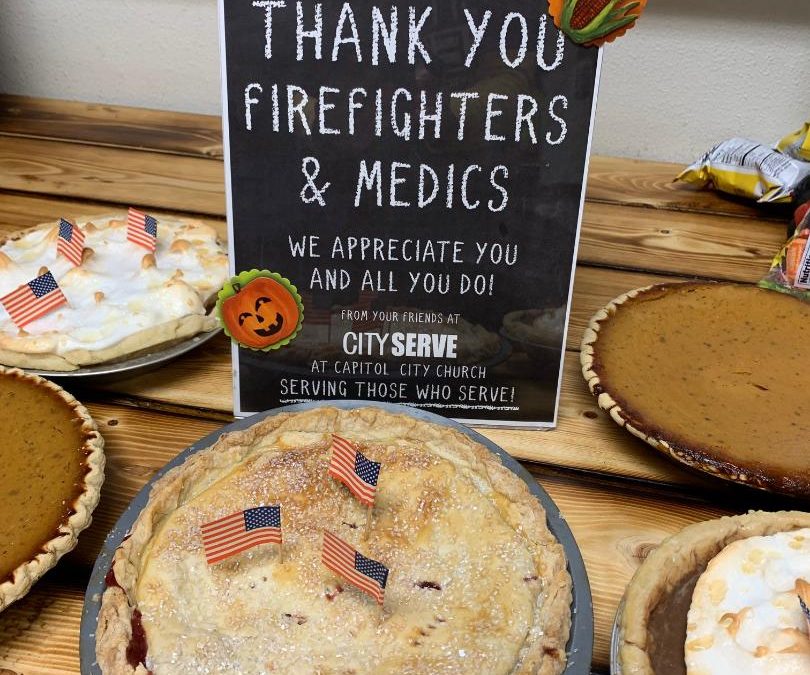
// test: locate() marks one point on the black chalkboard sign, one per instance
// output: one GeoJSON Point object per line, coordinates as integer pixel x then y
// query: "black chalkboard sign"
{"type": "Point", "coordinates": [416, 170]}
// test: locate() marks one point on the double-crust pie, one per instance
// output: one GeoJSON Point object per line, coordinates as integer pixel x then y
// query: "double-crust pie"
{"type": "Point", "coordinates": [51, 471]}
{"type": "Point", "coordinates": [720, 597]}
{"type": "Point", "coordinates": [712, 374]}
{"type": "Point", "coordinates": [477, 583]}
{"type": "Point", "coordinates": [121, 299]}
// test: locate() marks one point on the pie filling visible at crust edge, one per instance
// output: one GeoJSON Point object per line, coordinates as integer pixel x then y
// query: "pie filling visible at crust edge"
{"type": "Point", "coordinates": [118, 618]}
{"type": "Point", "coordinates": [680, 557]}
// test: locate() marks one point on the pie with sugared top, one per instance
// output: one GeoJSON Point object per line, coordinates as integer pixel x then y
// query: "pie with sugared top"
{"type": "Point", "coordinates": [477, 583]}
{"type": "Point", "coordinates": [51, 471]}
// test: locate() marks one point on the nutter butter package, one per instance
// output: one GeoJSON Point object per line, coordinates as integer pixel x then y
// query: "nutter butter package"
{"type": "Point", "coordinates": [749, 169]}
{"type": "Point", "coordinates": [790, 269]}
{"type": "Point", "coordinates": [797, 144]}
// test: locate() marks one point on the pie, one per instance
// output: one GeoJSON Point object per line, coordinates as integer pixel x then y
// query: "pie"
{"type": "Point", "coordinates": [721, 597]}
{"type": "Point", "coordinates": [52, 460]}
{"type": "Point", "coordinates": [477, 582]}
{"type": "Point", "coordinates": [122, 299]}
{"type": "Point", "coordinates": [711, 374]}
{"type": "Point", "coordinates": [536, 326]}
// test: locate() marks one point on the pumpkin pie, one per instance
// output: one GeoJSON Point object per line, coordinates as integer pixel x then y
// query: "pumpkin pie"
{"type": "Point", "coordinates": [720, 597]}
{"type": "Point", "coordinates": [477, 583]}
{"type": "Point", "coordinates": [51, 471]}
{"type": "Point", "coordinates": [712, 374]}
{"type": "Point", "coordinates": [121, 299]}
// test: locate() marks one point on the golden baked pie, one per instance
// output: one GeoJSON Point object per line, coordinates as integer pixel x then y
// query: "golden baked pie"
{"type": "Point", "coordinates": [720, 597]}
{"type": "Point", "coordinates": [477, 583]}
{"type": "Point", "coordinates": [712, 374]}
{"type": "Point", "coordinates": [51, 471]}
{"type": "Point", "coordinates": [122, 299]}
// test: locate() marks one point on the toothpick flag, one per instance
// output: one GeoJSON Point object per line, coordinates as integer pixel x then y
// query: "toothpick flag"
{"type": "Point", "coordinates": [70, 242]}
{"type": "Point", "coordinates": [33, 300]}
{"type": "Point", "coordinates": [350, 467]}
{"type": "Point", "coordinates": [240, 531]}
{"type": "Point", "coordinates": [368, 575]}
{"type": "Point", "coordinates": [142, 229]}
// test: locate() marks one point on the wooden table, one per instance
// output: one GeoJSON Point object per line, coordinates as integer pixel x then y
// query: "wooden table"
{"type": "Point", "coordinates": [619, 497]}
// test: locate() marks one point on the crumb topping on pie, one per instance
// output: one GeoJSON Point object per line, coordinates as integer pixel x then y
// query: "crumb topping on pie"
{"type": "Point", "coordinates": [477, 582]}
{"type": "Point", "coordinates": [120, 299]}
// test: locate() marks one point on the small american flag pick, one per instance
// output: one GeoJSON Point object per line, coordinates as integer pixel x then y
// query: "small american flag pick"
{"type": "Point", "coordinates": [368, 575]}
{"type": "Point", "coordinates": [142, 229]}
{"type": "Point", "coordinates": [350, 467]}
{"type": "Point", "coordinates": [70, 242]}
{"type": "Point", "coordinates": [33, 300]}
{"type": "Point", "coordinates": [225, 537]}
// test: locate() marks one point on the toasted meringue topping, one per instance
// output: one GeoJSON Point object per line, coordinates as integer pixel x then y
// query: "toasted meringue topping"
{"type": "Point", "coordinates": [135, 298]}
{"type": "Point", "coordinates": [757, 625]}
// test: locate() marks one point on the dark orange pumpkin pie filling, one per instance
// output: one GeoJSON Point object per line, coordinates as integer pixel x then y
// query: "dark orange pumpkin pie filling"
{"type": "Point", "coordinates": [715, 371]}
{"type": "Point", "coordinates": [49, 449]}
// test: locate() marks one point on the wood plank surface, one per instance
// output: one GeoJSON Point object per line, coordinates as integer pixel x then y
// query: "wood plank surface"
{"type": "Point", "coordinates": [117, 126]}
{"type": "Point", "coordinates": [618, 495]}
{"type": "Point", "coordinates": [39, 635]}
{"type": "Point", "coordinates": [653, 240]}
{"type": "Point", "coordinates": [585, 438]}
{"type": "Point", "coordinates": [615, 530]}
{"type": "Point", "coordinates": [148, 179]}
{"type": "Point", "coordinates": [611, 180]}
{"type": "Point", "coordinates": [21, 210]}
{"type": "Point", "coordinates": [708, 246]}
{"type": "Point", "coordinates": [635, 182]}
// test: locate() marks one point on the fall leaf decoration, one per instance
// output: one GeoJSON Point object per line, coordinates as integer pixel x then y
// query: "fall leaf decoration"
{"type": "Point", "coordinates": [594, 22]}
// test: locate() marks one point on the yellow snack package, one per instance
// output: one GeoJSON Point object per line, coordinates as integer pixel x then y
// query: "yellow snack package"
{"type": "Point", "coordinates": [797, 144]}
{"type": "Point", "coordinates": [749, 169]}
{"type": "Point", "coordinates": [790, 269]}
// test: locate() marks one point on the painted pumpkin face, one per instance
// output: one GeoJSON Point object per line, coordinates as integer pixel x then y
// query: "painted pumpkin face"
{"type": "Point", "coordinates": [261, 313]}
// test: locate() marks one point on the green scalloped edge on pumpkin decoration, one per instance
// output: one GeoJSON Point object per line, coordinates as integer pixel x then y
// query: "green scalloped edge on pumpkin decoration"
{"type": "Point", "coordinates": [242, 279]}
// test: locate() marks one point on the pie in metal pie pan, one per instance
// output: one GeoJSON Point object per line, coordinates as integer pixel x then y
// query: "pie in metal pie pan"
{"type": "Point", "coordinates": [561, 600]}
{"type": "Point", "coordinates": [125, 307]}
{"type": "Point", "coordinates": [719, 586]}
{"type": "Point", "coordinates": [51, 471]}
{"type": "Point", "coordinates": [712, 375]}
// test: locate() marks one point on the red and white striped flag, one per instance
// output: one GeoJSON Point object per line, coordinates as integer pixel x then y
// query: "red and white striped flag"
{"type": "Point", "coordinates": [70, 242]}
{"type": "Point", "coordinates": [225, 537]}
{"type": "Point", "coordinates": [368, 575]}
{"type": "Point", "coordinates": [33, 300]}
{"type": "Point", "coordinates": [354, 470]}
{"type": "Point", "coordinates": [142, 229]}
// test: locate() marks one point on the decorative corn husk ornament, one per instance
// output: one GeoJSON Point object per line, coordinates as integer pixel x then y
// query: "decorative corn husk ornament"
{"type": "Point", "coordinates": [594, 22]}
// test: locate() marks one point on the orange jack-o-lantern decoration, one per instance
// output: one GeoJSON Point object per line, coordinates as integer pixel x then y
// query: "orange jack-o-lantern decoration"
{"type": "Point", "coordinates": [260, 312]}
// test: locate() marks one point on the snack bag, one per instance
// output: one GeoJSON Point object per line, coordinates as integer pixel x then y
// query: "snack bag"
{"type": "Point", "coordinates": [750, 169]}
{"type": "Point", "coordinates": [790, 269]}
{"type": "Point", "coordinates": [797, 144]}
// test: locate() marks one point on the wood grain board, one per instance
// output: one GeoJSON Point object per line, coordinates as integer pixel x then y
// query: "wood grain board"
{"type": "Point", "coordinates": [621, 499]}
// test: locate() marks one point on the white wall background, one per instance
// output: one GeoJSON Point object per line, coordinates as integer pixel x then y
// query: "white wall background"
{"type": "Point", "coordinates": [692, 72]}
